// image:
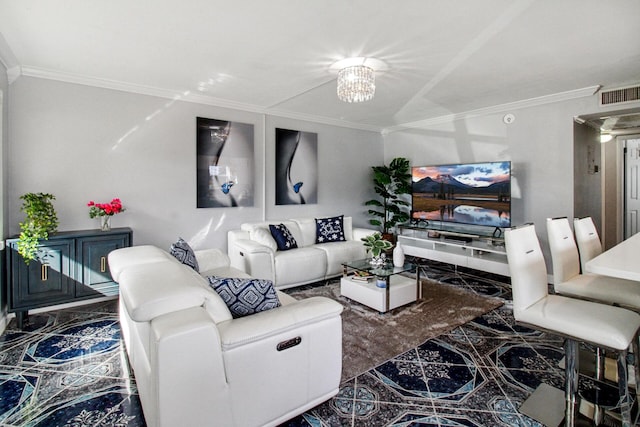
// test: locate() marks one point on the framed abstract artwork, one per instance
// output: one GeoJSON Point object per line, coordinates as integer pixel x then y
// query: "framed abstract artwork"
{"type": "Point", "coordinates": [225, 163]}
{"type": "Point", "coordinates": [296, 167]}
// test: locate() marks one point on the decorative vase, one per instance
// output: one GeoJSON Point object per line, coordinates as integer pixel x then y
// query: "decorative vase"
{"type": "Point", "coordinates": [398, 256]}
{"type": "Point", "coordinates": [377, 261]}
{"type": "Point", "coordinates": [105, 223]}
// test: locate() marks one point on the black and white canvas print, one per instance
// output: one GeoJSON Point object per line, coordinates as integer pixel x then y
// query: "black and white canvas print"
{"type": "Point", "coordinates": [225, 163]}
{"type": "Point", "coordinates": [296, 167]}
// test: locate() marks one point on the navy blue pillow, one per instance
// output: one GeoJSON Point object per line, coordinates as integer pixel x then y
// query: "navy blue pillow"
{"type": "Point", "coordinates": [245, 296]}
{"type": "Point", "coordinates": [283, 237]}
{"type": "Point", "coordinates": [183, 252]}
{"type": "Point", "coordinates": [330, 229]}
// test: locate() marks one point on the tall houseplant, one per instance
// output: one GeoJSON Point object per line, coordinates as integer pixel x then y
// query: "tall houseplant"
{"type": "Point", "coordinates": [41, 220]}
{"type": "Point", "coordinates": [391, 183]}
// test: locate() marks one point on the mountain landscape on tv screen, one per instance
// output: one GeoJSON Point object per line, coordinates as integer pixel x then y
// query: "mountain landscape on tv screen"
{"type": "Point", "coordinates": [485, 200]}
{"type": "Point", "coordinates": [447, 182]}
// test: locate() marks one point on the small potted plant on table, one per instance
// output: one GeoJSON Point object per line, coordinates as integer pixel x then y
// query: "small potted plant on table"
{"type": "Point", "coordinates": [377, 245]}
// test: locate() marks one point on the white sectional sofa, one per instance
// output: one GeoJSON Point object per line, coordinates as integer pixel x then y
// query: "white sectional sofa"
{"type": "Point", "coordinates": [196, 365]}
{"type": "Point", "coordinates": [253, 250]}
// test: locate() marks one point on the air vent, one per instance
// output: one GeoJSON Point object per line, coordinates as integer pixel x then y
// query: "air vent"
{"type": "Point", "coordinates": [620, 96]}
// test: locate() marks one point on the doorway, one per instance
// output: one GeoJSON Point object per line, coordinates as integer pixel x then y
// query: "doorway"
{"type": "Point", "coordinates": [631, 151]}
{"type": "Point", "coordinates": [603, 187]}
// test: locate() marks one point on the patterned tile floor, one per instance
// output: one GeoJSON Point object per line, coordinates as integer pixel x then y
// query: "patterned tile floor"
{"type": "Point", "coordinates": [67, 368]}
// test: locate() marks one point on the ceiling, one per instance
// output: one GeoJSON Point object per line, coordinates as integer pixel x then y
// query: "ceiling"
{"type": "Point", "coordinates": [615, 122]}
{"type": "Point", "coordinates": [442, 57]}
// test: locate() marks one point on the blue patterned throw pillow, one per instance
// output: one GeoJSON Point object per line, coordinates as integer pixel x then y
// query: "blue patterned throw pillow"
{"type": "Point", "coordinates": [283, 237]}
{"type": "Point", "coordinates": [330, 229]}
{"type": "Point", "coordinates": [183, 253]}
{"type": "Point", "coordinates": [245, 296]}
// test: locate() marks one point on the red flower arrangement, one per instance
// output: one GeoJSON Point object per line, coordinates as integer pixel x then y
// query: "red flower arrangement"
{"type": "Point", "coordinates": [102, 209]}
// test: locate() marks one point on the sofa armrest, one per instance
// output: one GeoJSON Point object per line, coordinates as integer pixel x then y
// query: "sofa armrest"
{"type": "Point", "coordinates": [258, 260]}
{"type": "Point", "coordinates": [187, 362]}
{"type": "Point", "coordinates": [260, 326]}
{"type": "Point", "coordinates": [210, 259]}
{"type": "Point", "coordinates": [248, 247]}
{"type": "Point", "coordinates": [359, 233]}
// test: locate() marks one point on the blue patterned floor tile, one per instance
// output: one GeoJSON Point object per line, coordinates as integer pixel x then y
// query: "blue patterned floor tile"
{"type": "Point", "coordinates": [17, 391]}
{"type": "Point", "coordinates": [529, 356]}
{"type": "Point", "coordinates": [440, 351]}
{"type": "Point", "coordinates": [60, 349]}
{"type": "Point", "coordinates": [104, 408]}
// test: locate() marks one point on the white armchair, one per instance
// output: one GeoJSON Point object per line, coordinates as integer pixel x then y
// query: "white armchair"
{"type": "Point", "coordinates": [196, 365]}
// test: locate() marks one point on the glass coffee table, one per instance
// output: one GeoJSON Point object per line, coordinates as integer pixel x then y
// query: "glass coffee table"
{"type": "Point", "coordinates": [386, 288]}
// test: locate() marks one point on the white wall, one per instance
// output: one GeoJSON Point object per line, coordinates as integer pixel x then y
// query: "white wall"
{"type": "Point", "coordinates": [4, 132]}
{"type": "Point", "coordinates": [587, 157]}
{"type": "Point", "coordinates": [539, 143]}
{"type": "Point", "coordinates": [83, 143]}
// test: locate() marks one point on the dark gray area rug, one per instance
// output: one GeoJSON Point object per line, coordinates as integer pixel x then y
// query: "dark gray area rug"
{"type": "Point", "coordinates": [370, 338]}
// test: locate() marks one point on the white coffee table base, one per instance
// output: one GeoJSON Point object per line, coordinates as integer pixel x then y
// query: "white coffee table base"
{"type": "Point", "coordinates": [402, 291]}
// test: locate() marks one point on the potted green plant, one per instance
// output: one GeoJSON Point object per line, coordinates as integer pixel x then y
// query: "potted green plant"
{"type": "Point", "coordinates": [376, 245]}
{"type": "Point", "coordinates": [391, 183]}
{"type": "Point", "coordinates": [41, 221]}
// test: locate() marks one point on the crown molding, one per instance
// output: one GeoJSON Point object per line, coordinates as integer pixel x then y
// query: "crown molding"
{"type": "Point", "coordinates": [197, 98]}
{"type": "Point", "coordinates": [187, 96]}
{"type": "Point", "coordinates": [13, 74]}
{"type": "Point", "coordinates": [501, 108]}
{"type": "Point", "coordinates": [9, 60]}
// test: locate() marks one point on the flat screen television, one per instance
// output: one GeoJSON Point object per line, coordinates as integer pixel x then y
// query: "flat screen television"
{"type": "Point", "coordinates": [464, 193]}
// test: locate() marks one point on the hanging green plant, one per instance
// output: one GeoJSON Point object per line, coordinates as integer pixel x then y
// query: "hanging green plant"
{"type": "Point", "coordinates": [41, 220]}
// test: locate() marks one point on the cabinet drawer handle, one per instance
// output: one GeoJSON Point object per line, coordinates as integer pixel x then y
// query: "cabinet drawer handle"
{"type": "Point", "coordinates": [44, 272]}
{"type": "Point", "coordinates": [103, 264]}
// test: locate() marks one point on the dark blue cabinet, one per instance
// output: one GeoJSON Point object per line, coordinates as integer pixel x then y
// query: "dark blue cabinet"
{"type": "Point", "coordinates": [70, 266]}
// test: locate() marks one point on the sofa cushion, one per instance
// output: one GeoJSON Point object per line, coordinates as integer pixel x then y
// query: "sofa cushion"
{"type": "Point", "coordinates": [283, 237]}
{"type": "Point", "coordinates": [245, 296]}
{"type": "Point", "coordinates": [341, 252]}
{"type": "Point", "coordinates": [183, 253]}
{"type": "Point", "coordinates": [302, 265]}
{"type": "Point", "coordinates": [347, 227]}
{"type": "Point", "coordinates": [151, 291]}
{"type": "Point", "coordinates": [330, 229]}
{"type": "Point", "coordinates": [263, 236]}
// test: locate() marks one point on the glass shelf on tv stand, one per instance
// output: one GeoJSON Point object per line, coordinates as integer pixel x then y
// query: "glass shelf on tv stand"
{"type": "Point", "coordinates": [454, 232]}
{"type": "Point", "coordinates": [474, 247]}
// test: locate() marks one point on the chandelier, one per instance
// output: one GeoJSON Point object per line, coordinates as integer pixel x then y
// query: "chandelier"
{"type": "Point", "coordinates": [356, 83]}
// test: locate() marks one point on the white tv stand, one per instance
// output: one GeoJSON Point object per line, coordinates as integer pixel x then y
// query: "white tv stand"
{"type": "Point", "coordinates": [463, 247]}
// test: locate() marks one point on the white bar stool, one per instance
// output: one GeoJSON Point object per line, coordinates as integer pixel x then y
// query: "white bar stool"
{"type": "Point", "coordinates": [567, 279]}
{"type": "Point", "coordinates": [576, 320]}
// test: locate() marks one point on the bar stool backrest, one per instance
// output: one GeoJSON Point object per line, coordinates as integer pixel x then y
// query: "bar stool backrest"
{"type": "Point", "coordinates": [564, 252]}
{"type": "Point", "coordinates": [589, 244]}
{"type": "Point", "coordinates": [527, 267]}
